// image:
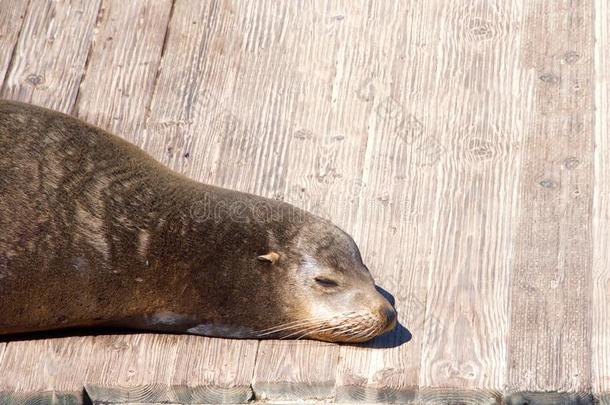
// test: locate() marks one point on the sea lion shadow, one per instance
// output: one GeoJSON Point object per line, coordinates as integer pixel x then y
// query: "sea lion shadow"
{"type": "Point", "coordinates": [394, 338]}
{"type": "Point", "coordinates": [68, 332]}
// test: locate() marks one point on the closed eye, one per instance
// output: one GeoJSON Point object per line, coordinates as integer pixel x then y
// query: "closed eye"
{"type": "Point", "coordinates": [326, 282]}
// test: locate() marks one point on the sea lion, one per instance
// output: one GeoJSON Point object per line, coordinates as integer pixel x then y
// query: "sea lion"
{"type": "Point", "coordinates": [94, 232]}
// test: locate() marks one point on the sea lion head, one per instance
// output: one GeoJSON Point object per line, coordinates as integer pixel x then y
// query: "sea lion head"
{"type": "Point", "coordinates": [327, 292]}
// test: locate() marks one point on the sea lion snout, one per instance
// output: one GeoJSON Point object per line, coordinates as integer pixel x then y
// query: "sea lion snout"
{"type": "Point", "coordinates": [355, 316]}
{"type": "Point", "coordinates": [390, 316]}
{"type": "Point", "coordinates": [382, 309]}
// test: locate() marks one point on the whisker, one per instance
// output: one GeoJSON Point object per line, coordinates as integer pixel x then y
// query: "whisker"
{"type": "Point", "coordinates": [350, 326]}
{"type": "Point", "coordinates": [341, 328]}
{"type": "Point", "coordinates": [289, 325]}
{"type": "Point", "coordinates": [305, 330]}
{"type": "Point", "coordinates": [359, 325]}
{"type": "Point", "coordinates": [324, 326]}
{"type": "Point", "coordinates": [320, 330]}
{"type": "Point", "coordinates": [366, 332]}
{"type": "Point", "coordinates": [300, 322]}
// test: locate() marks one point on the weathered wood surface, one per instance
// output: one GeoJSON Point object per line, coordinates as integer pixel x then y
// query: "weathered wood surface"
{"type": "Point", "coordinates": [600, 342]}
{"type": "Point", "coordinates": [322, 148]}
{"type": "Point", "coordinates": [453, 140]}
{"type": "Point", "coordinates": [550, 336]}
{"type": "Point", "coordinates": [11, 21]}
{"type": "Point", "coordinates": [439, 192]}
{"type": "Point", "coordinates": [46, 68]}
{"type": "Point", "coordinates": [49, 61]}
{"type": "Point", "coordinates": [179, 132]}
{"type": "Point", "coordinates": [118, 86]}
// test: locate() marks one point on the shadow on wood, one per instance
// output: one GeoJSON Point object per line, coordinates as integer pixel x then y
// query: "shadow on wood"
{"type": "Point", "coordinates": [396, 337]}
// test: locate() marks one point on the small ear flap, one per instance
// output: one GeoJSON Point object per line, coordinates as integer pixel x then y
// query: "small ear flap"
{"type": "Point", "coordinates": [271, 257]}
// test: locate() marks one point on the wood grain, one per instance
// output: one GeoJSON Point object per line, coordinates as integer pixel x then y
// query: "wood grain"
{"type": "Point", "coordinates": [476, 193]}
{"type": "Point", "coordinates": [550, 398]}
{"type": "Point", "coordinates": [138, 368]}
{"type": "Point", "coordinates": [550, 339]}
{"type": "Point", "coordinates": [118, 86]}
{"type": "Point", "coordinates": [35, 367]}
{"type": "Point", "coordinates": [600, 339]}
{"type": "Point", "coordinates": [12, 13]}
{"type": "Point", "coordinates": [439, 188]}
{"type": "Point", "coordinates": [48, 62]}
{"type": "Point", "coordinates": [293, 371]}
{"type": "Point", "coordinates": [174, 368]}
{"type": "Point", "coordinates": [41, 398]}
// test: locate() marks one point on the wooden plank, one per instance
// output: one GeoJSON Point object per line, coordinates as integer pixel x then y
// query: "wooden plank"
{"type": "Point", "coordinates": [550, 398]}
{"type": "Point", "coordinates": [133, 55]}
{"type": "Point", "coordinates": [118, 86]}
{"type": "Point", "coordinates": [116, 94]}
{"type": "Point", "coordinates": [46, 68]}
{"type": "Point", "coordinates": [600, 339]}
{"type": "Point", "coordinates": [12, 13]}
{"type": "Point", "coordinates": [48, 62]}
{"type": "Point", "coordinates": [439, 189]}
{"type": "Point", "coordinates": [550, 338]}
{"type": "Point", "coordinates": [121, 368]}
{"type": "Point", "coordinates": [177, 133]}
{"type": "Point", "coordinates": [468, 286]}
{"type": "Point", "coordinates": [315, 67]}
{"type": "Point", "coordinates": [169, 368]}
{"type": "Point", "coordinates": [296, 370]}
{"type": "Point", "coordinates": [35, 368]}
{"type": "Point", "coordinates": [42, 398]}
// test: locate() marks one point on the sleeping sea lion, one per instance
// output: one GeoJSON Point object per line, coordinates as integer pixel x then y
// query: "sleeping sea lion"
{"type": "Point", "coordinates": [96, 233]}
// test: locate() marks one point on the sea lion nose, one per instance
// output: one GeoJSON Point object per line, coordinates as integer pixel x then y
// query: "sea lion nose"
{"type": "Point", "coordinates": [390, 315]}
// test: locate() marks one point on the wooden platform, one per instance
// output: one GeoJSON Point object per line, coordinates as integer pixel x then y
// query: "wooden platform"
{"type": "Point", "coordinates": [464, 145]}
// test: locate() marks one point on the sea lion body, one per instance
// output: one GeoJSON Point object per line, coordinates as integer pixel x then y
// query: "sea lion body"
{"type": "Point", "coordinates": [97, 233]}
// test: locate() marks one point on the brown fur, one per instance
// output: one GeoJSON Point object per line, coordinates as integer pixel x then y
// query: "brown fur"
{"type": "Point", "coordinates": [95, 232]}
